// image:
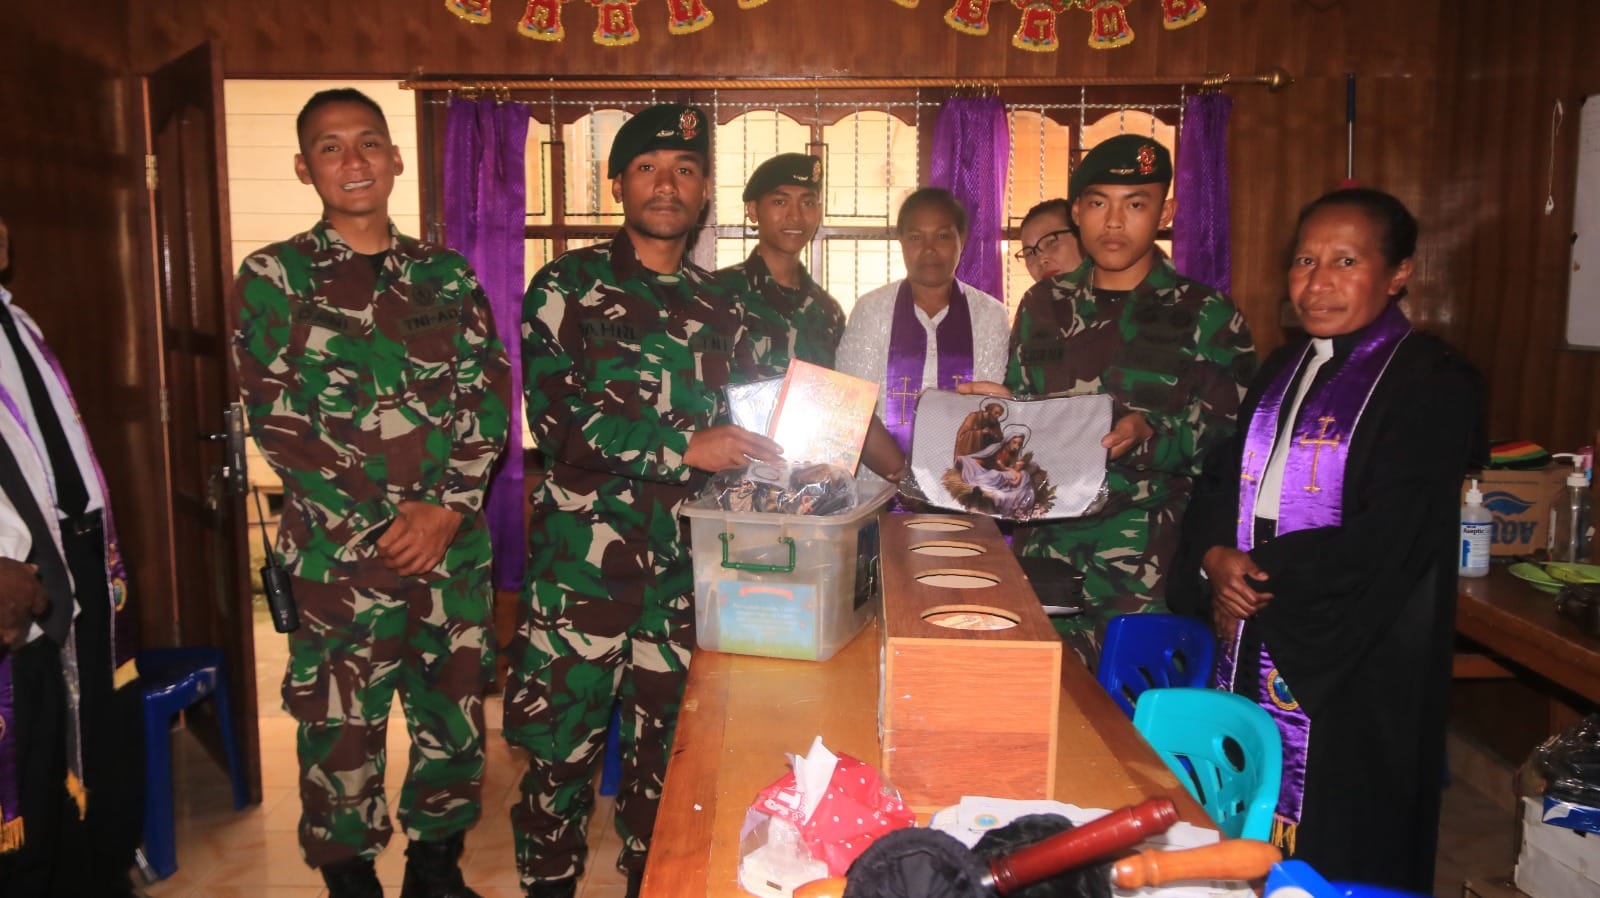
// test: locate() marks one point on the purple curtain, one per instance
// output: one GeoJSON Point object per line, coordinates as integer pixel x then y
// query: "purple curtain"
{"type": "Point", "coordinates": [485, 208]}
{"type": "Point", "coordinates": [971, 147]}
{"type": "Point", "coordinates": [1200, 242]}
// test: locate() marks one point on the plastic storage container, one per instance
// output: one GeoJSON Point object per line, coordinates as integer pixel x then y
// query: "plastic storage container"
{"type": "Point", "coordinates": [785, 586]}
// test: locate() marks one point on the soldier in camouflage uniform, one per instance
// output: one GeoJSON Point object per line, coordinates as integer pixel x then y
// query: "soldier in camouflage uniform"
{"type": "Point", "coordinates": [1174, 355]}
{"type": "Point", "coordinates": [626, 347]}
{"type": "Point", "coordinates": [377, 390]}
{"type": "Point", "coordinates": [790, 315]}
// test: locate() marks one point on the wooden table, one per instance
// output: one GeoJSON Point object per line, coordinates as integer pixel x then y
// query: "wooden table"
{"type": "Point", "coordinates": [742, 714]}
{"type": "Point", "coordinates": [1519, 623]}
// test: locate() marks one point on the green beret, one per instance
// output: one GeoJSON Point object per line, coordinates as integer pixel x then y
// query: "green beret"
{"type": "Point", "coordinates": [666, 127]}
{"type": "Point", "coordinates": [793, 169]}
{"type": "Point", "coordinates": [1124, 159]}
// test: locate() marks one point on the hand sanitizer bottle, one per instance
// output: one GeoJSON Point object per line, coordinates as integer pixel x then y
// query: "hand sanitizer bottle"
{"type": "Point", "coordinates": [1569, 517]}
{"type": "Point", "coordinates": [1476, 527]}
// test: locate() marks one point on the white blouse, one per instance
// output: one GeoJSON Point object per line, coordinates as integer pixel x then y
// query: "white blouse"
{"type": "Point", "coordinates": [864, 349]}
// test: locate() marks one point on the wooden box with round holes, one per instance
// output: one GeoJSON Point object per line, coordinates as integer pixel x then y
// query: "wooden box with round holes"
{"type": "Point", "coordinates": [971, 681]}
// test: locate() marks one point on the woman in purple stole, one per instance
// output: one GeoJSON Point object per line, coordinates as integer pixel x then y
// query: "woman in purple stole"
{"type": "Point", "coordinates": [1321, 546]}
{"type": "Point", "coordinates": [928, 331]}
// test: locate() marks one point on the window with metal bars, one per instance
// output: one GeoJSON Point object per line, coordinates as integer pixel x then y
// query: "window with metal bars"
{"type": "Point", "coordinates": [874, 145]}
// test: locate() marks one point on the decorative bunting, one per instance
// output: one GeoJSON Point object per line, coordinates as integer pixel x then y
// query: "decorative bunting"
{"type": "Point", "coordinates": [687, 16]}
{"type": "Point", "coordinates": [1178, 13]}
{"type": "Point", "coordinates": [542, 21]}
{"type": "Point", "coordinates": [1110, 26]}
{"type": "Point", "coordinates": [613, 25]}
{"type": "Point", "coordinates": [969, 16]}
{"type": "Point", "coordinates": [474, 11]}
{"type": "Point", "coordinates": [1037, 32]}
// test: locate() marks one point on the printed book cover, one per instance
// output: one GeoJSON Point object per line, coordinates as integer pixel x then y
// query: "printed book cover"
{"type": "Point", "coordinates": [822, 416]}
{"type": "Point", "coordinates": [1016, 459]}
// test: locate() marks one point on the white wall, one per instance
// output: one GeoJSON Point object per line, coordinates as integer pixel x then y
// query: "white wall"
{"type": "Point", "coordinates": [267, 201]}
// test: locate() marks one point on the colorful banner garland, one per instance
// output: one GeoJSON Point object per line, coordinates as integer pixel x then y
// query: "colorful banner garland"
{"type": "Point", "coordinates": [969, 16]}
{"type": "Point", "coordinates": [1037, 32]}
{"type": "Point", "coordinates": [542, 21]}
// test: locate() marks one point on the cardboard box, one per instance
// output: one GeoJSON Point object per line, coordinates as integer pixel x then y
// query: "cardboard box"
{"type": "Point", "coordinates": [1520, 503]}
{"type": "Point", "coordinates": [1556, 862]}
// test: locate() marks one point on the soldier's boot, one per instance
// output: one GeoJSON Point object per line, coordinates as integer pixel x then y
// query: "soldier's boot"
{"type": "Point", "coordinates": [635, 881]}
{"type": "Point", "coordinates": [353, 878]}
{"type": "Point", "coordinates": [554, 888]}
{"type": "Point", "coordinates": [433, 869]}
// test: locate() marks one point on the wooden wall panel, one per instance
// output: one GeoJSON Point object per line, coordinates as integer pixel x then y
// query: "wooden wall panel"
{"type": "Point", "coordinates": [72, 191]}
{"type": "Point", "coordinates": [1502, 258]}
{"type": "Point", "coordinates": [785, 37]}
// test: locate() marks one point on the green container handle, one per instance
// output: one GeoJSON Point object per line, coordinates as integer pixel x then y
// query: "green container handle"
{"type": "Point", "coordinates": [751, 566]}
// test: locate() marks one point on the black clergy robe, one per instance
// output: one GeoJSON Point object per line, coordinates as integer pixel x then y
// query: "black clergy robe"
{"type": "Point", "coordinates": [1363, 614]}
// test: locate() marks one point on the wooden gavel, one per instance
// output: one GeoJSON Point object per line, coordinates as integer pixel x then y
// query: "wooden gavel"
{"type": "Point", "coordinates": [1100, 837]}
{"type": "Point", "coordinates": [1105, 836]}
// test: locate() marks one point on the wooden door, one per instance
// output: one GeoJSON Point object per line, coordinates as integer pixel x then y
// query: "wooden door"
{"type": "Point", "coordinates": [203, 419]}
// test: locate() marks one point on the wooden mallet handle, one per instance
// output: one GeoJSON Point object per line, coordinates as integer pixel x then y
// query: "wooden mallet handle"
{"type": "Point", "coordinates": [1229, 859]}
{"type": "Point", "coordinates": [1082, 845]}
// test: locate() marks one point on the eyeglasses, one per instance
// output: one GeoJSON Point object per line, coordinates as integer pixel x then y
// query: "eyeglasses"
{"type": "Point", "coordinates": [1046, 244]}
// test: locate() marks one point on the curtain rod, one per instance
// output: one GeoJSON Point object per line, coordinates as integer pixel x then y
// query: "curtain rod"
{"type": "Point", "coordinates": [1273, 80]}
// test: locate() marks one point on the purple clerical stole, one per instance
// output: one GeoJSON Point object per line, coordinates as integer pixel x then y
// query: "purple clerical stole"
{"type": "Point", "coordinates": [908, 350]}
{"type": "Point", "coordinates": [1313, 490]}
{"type": "Point", "coordinates": [10, 774]}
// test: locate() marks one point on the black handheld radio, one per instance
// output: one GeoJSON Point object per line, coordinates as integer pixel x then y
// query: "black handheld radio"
{"type": "Point", "coordinates": [275, 582]}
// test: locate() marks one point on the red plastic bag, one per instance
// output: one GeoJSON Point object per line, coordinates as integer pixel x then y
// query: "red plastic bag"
{"type": "Point", "coordinates": [856, 808]}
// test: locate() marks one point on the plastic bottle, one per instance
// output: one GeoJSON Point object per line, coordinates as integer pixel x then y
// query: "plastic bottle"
{"type": "Point", "coordinates": [1476, 527]}
{"type": "Point", "coordinates": [1569, 516]}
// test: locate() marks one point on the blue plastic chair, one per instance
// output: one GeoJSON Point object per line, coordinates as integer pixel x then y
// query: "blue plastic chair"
{"type": "Point", "coordinates": [611, 765]}
{"type": "Point", "coordinates": [1225, 750]}
{"type": "Point", "coordinates": [1298, 875]}
{"type": "Point", "coordinates": [1154, 651]}
{"type": "Point", "coordinates": [172, 680]}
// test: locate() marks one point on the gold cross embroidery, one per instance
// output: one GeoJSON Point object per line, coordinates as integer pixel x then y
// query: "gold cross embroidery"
{"type": "Point", "coordinates": [1319, 442]}
{"type": "Point", "coordinates": [905, 394]}
{"type": "Point", "coordinates": [1245, 473]}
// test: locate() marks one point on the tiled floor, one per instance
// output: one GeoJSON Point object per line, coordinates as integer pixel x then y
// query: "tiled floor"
{"type": "Point", "coordinates": [223, 853]}
{"type": "Point", "coordinates": [1477, 840]}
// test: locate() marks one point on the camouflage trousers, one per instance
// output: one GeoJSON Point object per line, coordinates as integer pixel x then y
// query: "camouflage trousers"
{"type": "Point", "coordinates": [359, 642]}
{"type": "Point", "coordinates": [1123, 557]}
{"type": "Point", "coordinates": [604, 623]}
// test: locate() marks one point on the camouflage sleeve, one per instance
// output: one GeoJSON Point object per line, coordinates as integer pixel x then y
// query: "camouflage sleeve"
{"type": "Point", "coordinates": [482, 404]}
{"type": "Point", "coordinates": [1224, 362]}
{"type": "Point", "coordinates": [746, 365]}
{"type": "Point", "coordinates": [549, 387]}
{"type": "Point", "coordinates": [1016, 375]}
{"type": "Point", "coordinates": [280, 404]}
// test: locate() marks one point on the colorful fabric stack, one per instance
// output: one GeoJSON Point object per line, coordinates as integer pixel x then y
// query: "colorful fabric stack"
{"type": "Point", "coordinates": [1517, 455]}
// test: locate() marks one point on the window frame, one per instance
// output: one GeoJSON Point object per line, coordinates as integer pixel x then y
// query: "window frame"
{"type": "Point", "coordinates": [813, 109]}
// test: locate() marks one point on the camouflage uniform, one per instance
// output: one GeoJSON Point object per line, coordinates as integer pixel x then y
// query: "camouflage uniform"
{"type": "Point", "coordinates": [365, 390]}
{"type": "Point", "coordinates": [621, 365]}
{"type": "Point", "coordinates": [785, 323]}
{"type": "Point", "coordinates": [1171, 349]}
